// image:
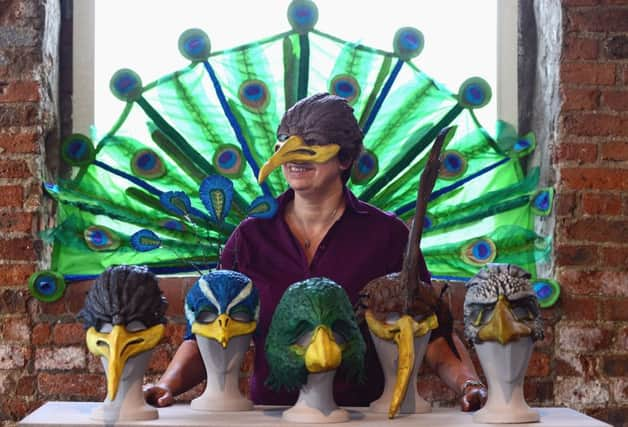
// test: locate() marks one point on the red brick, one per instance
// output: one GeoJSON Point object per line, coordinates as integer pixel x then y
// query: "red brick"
{"type": "Point", "coordinates": [15, 329]}
{"type": "Point", "coordinates": [539, 365]}
{"type": "Point", "coordinates": [594, 178]}
{"type": "Point", "coordinates": [26, 386]}
{"type": "Point", "coordinates": [12, 356]}
{"type": "Point", "coordinates": [580, 48]}
{"type": "Point", "coordinates": [599, 230]}
{"type": "Point", "coordinates": [578, 308]}
{"type": "Point", "coordinates": [614, 257]}
{"type": "Point", "coordinates": [17, 408]}
{"type": "Point", "coordinates": [616, 47]}
{"type": "Point", "coordinates": [571, 364]}
{"type": "Point", "coordinates": [67, 386]}
{"type": "Point", "coordinates": [596, 125]}
{"type": "Point", "coordinates": [13, 301]}
{"type": "Point", "coordinates": [576, 255]}
{"type": "Point", "coordinates": [581, 153]}
{"type": "Point", "coordinates": [615, 366]}
{"type": "Point", "coordinates": [14, 222]}
{"type": "Point", "coordinates": [64, 358]}
{"type": "Point", "coordinates": [538, 391]}
{"type": "Point", "coordinates": [19, 141]}
{"type": "Point", "coordinates": [14, 169]}
{"type": "Point", "coordinates": [601, 203]}
{"type": "Point", "coordinates": [40, 334]}
{"type": "Point", "coordinates": [15, 274]}
{"type": "Point", "coordinates": [431, 388]}
{"type": "Point", "coordinates": [17, 250]}
{"type": "Point", "coordinates": [587, 73]}
{"type": "Point", "coordinates": [68, 333]}
{"type": "Point", "coordinates": [174, 334]}
{"type": "Point", "coordinates": [584, 339]}
{"type": "Point", "coordinates": [617, 151]}
{"type": "Point", "coordinates": [604, 20]}
{"type": "Point", "coordinates": [615, 309]}
{"type": "Point", "coordinates": [19, 114]}
{"type": "Point", "coordinates": [75, 295]}
{"type": "Point", "coordinates": [11, 196]}
{"type": "Point", "coordinates": [565, 203]}
{"type": "Point", "coordinates": [620, 390]}
{"type": "Point", "coordinates": [578, 392]}
{"type": "Point", "coordinates": [159, 360]}
{"type": "Point", "coordinates": [622, 339]}
{"type": "Point", "coordinates": [20, 91]}
{"type": "Point", "coordinates": [616, 100]}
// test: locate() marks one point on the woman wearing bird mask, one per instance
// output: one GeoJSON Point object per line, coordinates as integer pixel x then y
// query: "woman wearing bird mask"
{"type": "Point", "coordinates": [320, 230]}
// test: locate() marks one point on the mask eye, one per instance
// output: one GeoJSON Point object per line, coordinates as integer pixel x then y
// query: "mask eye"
{"type": "Point", "coordinates": [135, 326]}
{"type": "Point", "coordinates": [105, 328]}
{"type": "Point", "coordinates": [392, 318]}
{"type": "Point", "coordinates": [241, 315]}
{"type": "Point", "coordinates": [282, 137]}
{"type": "Point", "coordinates": [206, 316]}
{"type": "Point", "coordinates": [521, 312]}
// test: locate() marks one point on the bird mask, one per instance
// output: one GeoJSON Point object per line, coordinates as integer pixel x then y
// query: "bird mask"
{"type": "Point", "coordinates": [315, 130]}
{"type": "Point", "coordinates": [313, 330]}
{"type": "Point", "coordinates": [500, 305]}
{"type": "Point", "coordinates": [221, 305]}
{"type": "Point", "coordinates": [124, 316]}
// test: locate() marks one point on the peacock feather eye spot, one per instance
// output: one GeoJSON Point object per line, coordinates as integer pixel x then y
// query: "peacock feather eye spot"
{"type": "Point", "coordinates": [228, 161]}
{"type": "Point", "coordinates": [126, 85]}
{"type": "Point", "coordinates": [408, 43]}
{"type": "Point", "coordinates": [99, 238]}
{"type": "Point", "coordinates": [46, 286]}
{"type": "Point", "coordinates": [521, 145]}
{"type": "Point", "coordinates": [547, 292]}
{"type": "Point", "coordinates": [77, 150]}
{"type": "Point", "coordinates": [254, 95]}
{"type": "Point", "coordinates": [365, 168]}
{"type": "Point", "coordinates": [194, 45]}
{"type": "Point", "coordinates": [145, 240]}
{"type": "Point", "coordinates": [302, 15]}
{"type": "Point", "coordinates": [480, 251]}
{"type": "Point", "coordinates": [474, 92]}
{"type": "Point", "coordinates": [263, 207]}
{"type": "Point", "coordinates": [345, 86]}
{"type": "Point", "coordinates": [147, 164]}
{"type": "Point", "coordinates": [453, 165]}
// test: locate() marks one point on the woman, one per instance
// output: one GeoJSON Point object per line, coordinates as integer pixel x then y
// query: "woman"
{"type": "Point", "coordinates": [320, 230]}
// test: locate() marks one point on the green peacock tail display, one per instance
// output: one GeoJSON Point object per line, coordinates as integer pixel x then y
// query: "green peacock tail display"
{"type": "Point", "coordinates": [176, 173]}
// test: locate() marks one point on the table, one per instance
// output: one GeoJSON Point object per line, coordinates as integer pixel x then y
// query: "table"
{"type": "Point", "coordinates": [180, 415]}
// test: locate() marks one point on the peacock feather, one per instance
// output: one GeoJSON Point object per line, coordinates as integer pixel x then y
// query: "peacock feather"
{"type": "Point", "coordinates": [177, 172]}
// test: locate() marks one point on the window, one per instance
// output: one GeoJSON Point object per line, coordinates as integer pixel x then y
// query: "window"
{"type": "Point", "coordinates": [462, 39]}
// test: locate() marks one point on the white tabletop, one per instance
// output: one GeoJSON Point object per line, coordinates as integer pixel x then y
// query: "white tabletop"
{"type": "Point", "coordinates": [180, 415]}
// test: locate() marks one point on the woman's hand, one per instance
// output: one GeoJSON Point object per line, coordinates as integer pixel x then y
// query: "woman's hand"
{"type": "Point", "coordinates": [473, 397]}
{"type": "Point", "coordinates": [158, 395]}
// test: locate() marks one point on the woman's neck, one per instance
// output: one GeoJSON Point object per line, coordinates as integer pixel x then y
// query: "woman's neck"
{"type": "Point", "coordinates": [316, 209]}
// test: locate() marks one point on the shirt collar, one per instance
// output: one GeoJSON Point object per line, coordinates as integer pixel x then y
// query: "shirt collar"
{"type": "Point", "coordinates": [351, 202]}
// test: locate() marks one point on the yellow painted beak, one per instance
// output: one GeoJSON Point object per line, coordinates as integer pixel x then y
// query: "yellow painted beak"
{"type": "Point", "coordinates": [223, 329]}
{"type": "Point", "coordinates": [294, 149]}
{"type": "Point", "coordinates": [402, 333]}
{"type": "Point", "coordinates": [118, 346]}
{"type": "Point", "coordinates": [323, 353]}
{"type": "Point", "coordinates": [502, 326]}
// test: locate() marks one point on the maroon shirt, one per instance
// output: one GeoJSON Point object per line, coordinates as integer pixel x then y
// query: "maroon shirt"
{"type": "Point", "coordinates": [364, 243]}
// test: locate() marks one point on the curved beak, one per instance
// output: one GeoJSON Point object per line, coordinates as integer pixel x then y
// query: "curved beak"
{"type": "Point", "coordinates": [223, 329]}
{"type": "Point", "coordinates": [294, 149]}
{"type": "Point", "coordinates": [402, 333]}
{"type": "Point", "coordinates": [118, 346]}
{"type": "Point", "coordinates": [502, 326]}
{"type": "Point", "coordinates": [323, 353]}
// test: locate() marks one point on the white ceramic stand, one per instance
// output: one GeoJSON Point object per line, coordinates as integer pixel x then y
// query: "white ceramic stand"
{"type": "Point", "coordinates": [129, 403]}
{"type": "Point", "coordinates": [316, 402]}
{"type": "Point", "coordinates": [387, 352]}
{"type": "Point", "coordinates": [505, 368]}
{"type": "Point", "coordinates": [222, 365]}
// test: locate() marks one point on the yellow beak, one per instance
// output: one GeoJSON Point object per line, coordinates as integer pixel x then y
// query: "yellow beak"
{"type": "Point", "coordinates": [118, 346]}
{"type": "Point", "coordinates": [294, 149]}
{"type": "Point", "coordinates": [323, 353]}
{"type": "Point", "coordinates": [223, 329]}
{"type": "Point", "coordinates": [402, 333]}
{"type": "Point", "coordinates": [502, 326]}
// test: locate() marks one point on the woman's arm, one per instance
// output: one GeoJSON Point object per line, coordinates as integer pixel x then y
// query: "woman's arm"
{"type": "Point", "coordinates": [458, 374]}
{"type": "Point", "coordinates": [184, 372]}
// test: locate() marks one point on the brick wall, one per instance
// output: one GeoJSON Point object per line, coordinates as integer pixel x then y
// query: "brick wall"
{"type": "Point", "coordinates": [591, 234]}
{"type": "Point", "coordinates": [582, 362]}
